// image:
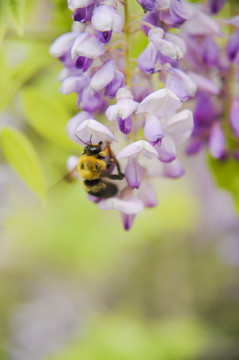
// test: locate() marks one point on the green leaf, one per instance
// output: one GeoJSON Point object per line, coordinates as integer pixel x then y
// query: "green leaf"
{"type": "Point", "coordinates": [23, 158]}
{"type": "Point", "coordinates": [33, 58]}
{"type": "Point", "coordinates": [47, 115]}
{"type": "Point", "coordinates": [226, 175]}
{"type": "Point", "coordinates": [3, 15]}
{"type": "Point", "coordinates": [17, 12]}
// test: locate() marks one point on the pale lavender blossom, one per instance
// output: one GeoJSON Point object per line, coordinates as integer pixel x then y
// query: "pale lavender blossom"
{"type": "Point", "coordinates": [234, 116]}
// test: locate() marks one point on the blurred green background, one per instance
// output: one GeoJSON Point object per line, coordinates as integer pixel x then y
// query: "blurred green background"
{"type": "Point", "coordinates": [73, 283]}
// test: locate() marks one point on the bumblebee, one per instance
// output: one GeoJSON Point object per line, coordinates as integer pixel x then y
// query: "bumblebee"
{"type": "Point", "coordinates": [95, 166]}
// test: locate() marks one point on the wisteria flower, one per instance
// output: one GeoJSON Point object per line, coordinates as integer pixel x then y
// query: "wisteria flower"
{"type": "Point", "coordinates": [124, 110]}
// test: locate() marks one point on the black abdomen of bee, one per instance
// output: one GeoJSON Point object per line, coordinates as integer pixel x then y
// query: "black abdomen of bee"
{"type": "Point", "coordinates": [100, 189]}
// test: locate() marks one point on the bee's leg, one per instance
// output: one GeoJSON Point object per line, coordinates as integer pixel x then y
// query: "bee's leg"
{"type": "Point", "coordinates": [106, 152]}
{"type": "Point", "coordinates": [118, 176]}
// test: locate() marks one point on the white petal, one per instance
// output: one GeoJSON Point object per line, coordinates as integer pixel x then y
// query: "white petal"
{"type": "Point", "coordinates": [63, 44]}
{"type": "Point", "coordinates": [87, 45]}
{"type": "Point", "coordinates": [112, 112]}
{"type": "Point", "coordinates": [74, 122]}
{"type": "Point", "coordinates": [71, 165]}
{"type": "Point", "coordinates": [165, 47]}
{"type": "Point", "coordinates": [162, 4]}
{"type": "Point", "coordinates": [106, 18]}
{"type": "Point", "coordinates": [132, 206]}
{"type": "Point", "coordinates": [178, 41]}
{"type": "Point", "coordinates": [75, 4]}
{"type": "Point", "coordinates": [171, 169]}
{"type": "Point", "coordinates": [118, 22]}
{"type": "Point", "coordinates": [123, 93]}
{"type": "Point", "coordinates": [126, 107]}
{"type": "Point", "coordinates": [72, 84]}
{"type": "Point", "coordinates": [103, 76]}
{"type": "Point", "coordinates": [189, 85]}
{"type": "Point", "coordinates": [202, 24]}
{"type": "Point", "coordinates": [155, 32]}
{"type": "Point", "coordinates": [137, 147]}
{"type": "Point", "coordinates": [180, 126]}
{"type": "Point", "coordinates": [162, 102]}
{"type": "Point", "coordinates": [93, 131]}
{"type": "Point", "coordinates": [233, 21]}
{"type": "Point", "coordinates": [204, 84]}
{"type": "Point", "coordinates": [153, 131]}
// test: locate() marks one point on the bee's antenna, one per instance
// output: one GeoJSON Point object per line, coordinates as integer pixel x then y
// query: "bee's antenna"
{"type": "Point", "coordinates": [90, 139]}
{"type": "Point", "coordinates": [80, 139]}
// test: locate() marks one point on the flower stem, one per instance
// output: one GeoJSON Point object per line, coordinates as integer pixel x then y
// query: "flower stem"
{"type": "Point", "coordinates": [127, 40]}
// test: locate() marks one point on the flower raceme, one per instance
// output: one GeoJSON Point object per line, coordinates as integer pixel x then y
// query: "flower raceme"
{"type": "Point", "coordinates": [142, 117]}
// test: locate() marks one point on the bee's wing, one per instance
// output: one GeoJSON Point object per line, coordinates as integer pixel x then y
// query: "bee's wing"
{"type": "Point", "coordinates": [70, 177]}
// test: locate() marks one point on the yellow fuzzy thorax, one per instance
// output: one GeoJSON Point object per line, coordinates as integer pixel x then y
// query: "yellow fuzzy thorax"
{"type": "Point", "coordinates": [90, 168]}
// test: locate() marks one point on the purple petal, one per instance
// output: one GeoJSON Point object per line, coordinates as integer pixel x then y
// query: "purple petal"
{"type": "Point", "coordinates": [194, 147]}
{"type": "Point", "coordinates": [173, 169]}
{"type": "Point", "coordinates": [125, 125]}
{"type": "Point", "coordinates": [181, 84]}
{"type": "Point", "coordinates": [83, 63]}
{"type": "Point", "coordinates": [175, 15]}
{"type": "Point", "coordinates": [147, 60]}
{"type": "Point", "coordinates": [91, 101]}
{"type": "Point", "coordinates": [233, 46]}
{"type": "Point", "coordinates": [117, 82]}
{"type": "Point", "coordinates": [147, 5]}
{"type": "Point", "coordinates": [147, 195]}
{"type": "Point", "coordinates": [217, 141]}
{"type": "Point", "coordinates": [178, 7]}
{"type": "Point", "coordinates": [205, 111]}
{"type": "Point", "coordinates": [133, 173]}
{"type": "Point", "coordinates": [127, 221]}
{"type": "Point", "coordinates": [210, 52]}
{"type": "Point", "coordinates": [166, 149]}
{"type": "Point", "coordinates": [234, 116]}
{"type": "Point", "coordinates": [153, 130]}
{"type": "Point", "coordinates": [104, 36]}
{"type": "Point", "coordinates": [151, 18]}
{"type": "Point", "coordinates": [216, 5]}
{"type": "Point", "coordinates": [83, 14]}
{"type": "Point", "coordinates": [141, 87]}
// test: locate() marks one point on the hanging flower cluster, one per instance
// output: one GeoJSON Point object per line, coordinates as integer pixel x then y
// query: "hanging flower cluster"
{"type": "Point", "coordinates": [122, 100]}
{"type": "Point", "coordinates": [213, 60]}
